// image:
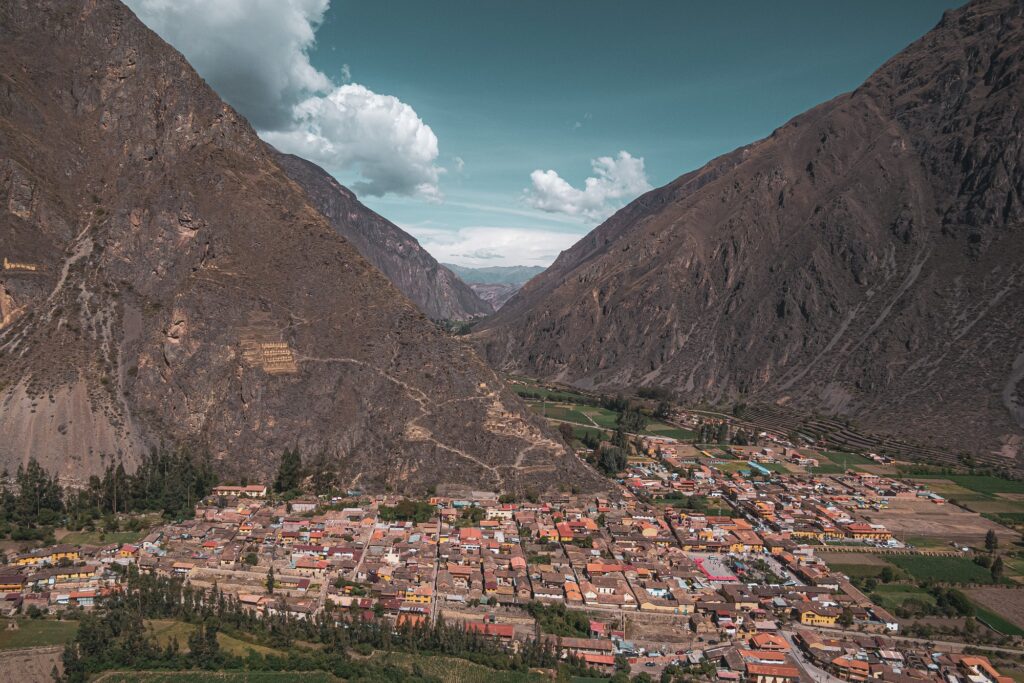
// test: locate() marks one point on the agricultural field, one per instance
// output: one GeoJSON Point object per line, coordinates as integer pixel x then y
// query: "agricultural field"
{"type": "Point", "coordinates": [946, 569]}
{"type": "Point", "coordinates": [857, 565]}
{"type": "Point", "coordinates": [31, 665]}
{"type": "Point", "coordinates": [452, 669]}
{"type": "Point", "coordinates": [36, 633]}
{"type": "Point", "coordinates": [669, 431]}
{"type": "Point", "coordinates": [1005, 604]}
{"type": "Point", "coordinates": [893, 595]}
{"type": "Point", "coordinates": [101, 537]}
{"type": "Point", "coordinates": [164, 630]}
{"type": "Point", "coordinates": [979, 483]}
{"type": "Point", "coordinates": [920, 519]}
{"type": "Point", "coordinates": [562, 411]}
{"type": "Point", "coordinates": [601, 418]}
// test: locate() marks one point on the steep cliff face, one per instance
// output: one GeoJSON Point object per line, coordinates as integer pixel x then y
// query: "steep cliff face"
{"type": "Point", "coordinates": [164, 280]}
{"type": "Point", "coordinates": [866, 259]}
{"type": "Point", "coordinates": [433, 288]}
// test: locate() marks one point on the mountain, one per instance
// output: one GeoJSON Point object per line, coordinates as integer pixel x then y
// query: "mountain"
{"type": "Point", "coordinates": [496, 275]}
{"type": "Point", "coordinates": [864, 260]}
{"type": "Point", "coordinates": [495, 284]}
{"type": "Point", "coordinates": [164, 281]}
{"type": "Point", "coordinates": [432, 287]}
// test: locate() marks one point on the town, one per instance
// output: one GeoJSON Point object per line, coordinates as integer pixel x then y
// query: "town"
{"type": "Point", "coordinates": [727, 562]}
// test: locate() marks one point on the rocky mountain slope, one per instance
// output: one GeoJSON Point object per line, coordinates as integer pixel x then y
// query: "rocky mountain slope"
{"type": "Point", "coordinates": [165, 281]}
{"type": "Point", "coordinates": [432, 287]}
{"type": "Point", "coordinates": [495, 284]}
{"type": "Point", "coordinates": [865, 260]}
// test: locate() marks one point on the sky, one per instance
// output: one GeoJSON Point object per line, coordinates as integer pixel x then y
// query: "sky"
{"type": "Point", "coordinates": [499, 133]}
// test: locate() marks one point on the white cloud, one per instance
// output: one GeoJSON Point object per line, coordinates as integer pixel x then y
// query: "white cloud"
{"type": "Point", "coordinates": [255, 54]}
{"type": "Point", "coordinates": [459, 164]}
{"type": "Point", "coordinates": [493, 246]}
{"type": "Point", "coordinates": [354, 128]}
{"type": "Point", "coordinates": [615, 179]}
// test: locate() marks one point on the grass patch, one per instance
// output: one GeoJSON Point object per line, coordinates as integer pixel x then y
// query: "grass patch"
{"type": "Point", "coordinates": [928, 542]}
{"type": "Point", "coordinates": [856, 571]}
{"type": "Point", "coordinates": [103, 538]}
{"type": "Point", "coordinates": [601, 416]}
{"type": "Point", "coordinates": [996, 622]}
{"type": "Point", "coordinates": [849, 459]}
{"type": "Point", "coordinates": [827, 468]}
{"type": "Point", "coordinates": [451, 669]}
{"type": "Point", "coordinates": [579, 433]}
{"type": "Point", "coordinates": [36, 633]}
{"type": "Point", "coordinates": [979, 483]}
{"type": "Point", "coordinates": [563, 413]}
{"type": "Point", "coordinates": [946, 569]}
{"type": "Point", "coordinates": [662, 429]}
{"type": "Point", "coordinates": [165, 630]}
{"type": "Point", "coordinates": [893, 595]}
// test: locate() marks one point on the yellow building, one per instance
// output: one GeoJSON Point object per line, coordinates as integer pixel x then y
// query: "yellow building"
{"type": "Point", "coordinates": [819, 616]}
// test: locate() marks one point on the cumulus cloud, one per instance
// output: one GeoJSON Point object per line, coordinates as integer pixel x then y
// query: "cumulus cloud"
{"type": "Point", "coordinates": [494, 246]}
{"type": "Point", "coordinates": [255, 54]}
{"type": "Point", "coordinates": [350, 127]}
{"type": "Point", "coordinates": [615, 179]}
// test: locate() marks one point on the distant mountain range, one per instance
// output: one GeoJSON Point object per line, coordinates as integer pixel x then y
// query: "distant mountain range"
{"type": "Point", "coordinates": [865, 260]}
{"type": "Point", "coordinates": [495, 284]}
{"type": "Point", "coordinates": [165, 281]}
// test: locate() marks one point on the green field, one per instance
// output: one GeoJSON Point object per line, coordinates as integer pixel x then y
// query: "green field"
{"type": "Point", "coordinates": [855, 571]}
{"type": "Point", "coordinates": [565, 413]}
{"type": "Point", "coordinates": [893, 595]}
{"type": "Point", "coordinates": [851, 460]}
{"type": "Point", "coordinates": [946, 569]}
{"type": "Point", "coordinates": [164, 630]}
{"type": "Point", "coordinates": [36, 633]}
{"type": "Point", "coordinates": [827, 468]}
{"type": "Point", "coordinates": [602, 417]}
{"type": "Point", "coordinates": [102, 538]}
{"type": "Point", "coordinates": [452, 669]}
{"type": "Point", "coordinates": [662, 429]}
{"type": "Point", "coordinates": [979, 483]}
{"type": "Point", "coordinates": [994, 621]}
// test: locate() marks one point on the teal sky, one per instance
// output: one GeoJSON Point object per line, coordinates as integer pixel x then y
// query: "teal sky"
{"type": "Point", "coordinates": [510, 88]}
{"type": "Point", "coordinates": [504, 85]}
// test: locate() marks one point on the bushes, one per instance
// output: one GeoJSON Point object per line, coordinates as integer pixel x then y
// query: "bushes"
{"type": "Point", "coordinates": [558, 620]}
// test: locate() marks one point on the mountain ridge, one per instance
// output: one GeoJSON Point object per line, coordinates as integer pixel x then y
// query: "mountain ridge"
{"type": "Point", "coordinates": [860, 261]}
{"type": "Point", "coordinates": [435, 290]}
{"type": "Point", "coordinates": [164, 282]}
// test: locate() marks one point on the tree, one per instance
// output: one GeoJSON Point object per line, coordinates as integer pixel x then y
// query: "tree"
{"type": "Point", "coordinates": [997, 568]}
{"type": "Point", "coordinates": [251, 559]}
{"type": "Point", "coordinates": [565, 429]}
{"type": "Point", "coordinates": [632, 420]}
{"type": "Point", "coordinates": [886, 575]}
{"type": "Point", "coordinates": [612, 460]}
{"type": "Point", "coordinates": [663, 410]}
{"type": "Point", "coordinates": [289, 473]}
{"type": "Point", "coordinates": [270, 580]}
{"type": "Point", "coordinates": [991, 541]}
{"type": "Point", "coordinates": [323, 475]}
{"type": "Point", "coordinates": [846, 618]}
